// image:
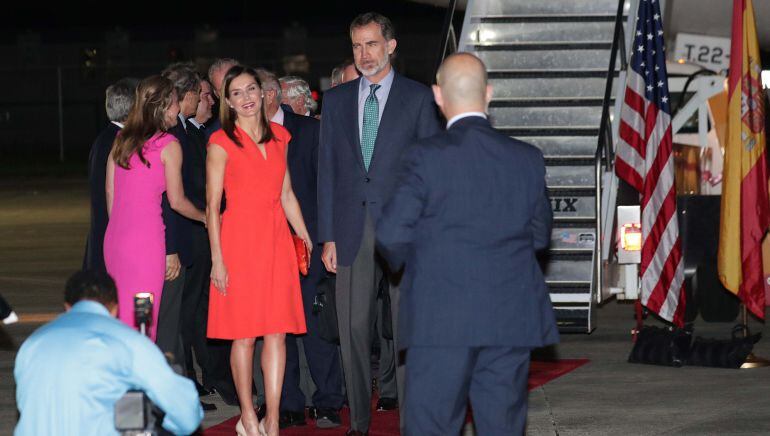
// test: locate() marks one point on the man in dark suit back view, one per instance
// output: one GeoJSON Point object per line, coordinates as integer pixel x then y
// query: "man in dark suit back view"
{"type": "Point", "coordinates": [118, 100]}
{"type": "Point", "coordinates": [466, 218]}
{"type": "Point", "coordinates": [366, 126]}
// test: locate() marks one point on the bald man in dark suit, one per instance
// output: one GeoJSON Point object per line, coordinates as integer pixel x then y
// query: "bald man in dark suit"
{"type": "Point", "coordinates": [473, 298]}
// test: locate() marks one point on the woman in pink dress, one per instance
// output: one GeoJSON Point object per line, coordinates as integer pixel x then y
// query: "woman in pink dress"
{"type": "Point", "coordinates": [145, 162]}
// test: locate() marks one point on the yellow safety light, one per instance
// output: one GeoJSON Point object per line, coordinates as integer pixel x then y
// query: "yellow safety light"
{"type": "Point", "coordinates": [631, 237]}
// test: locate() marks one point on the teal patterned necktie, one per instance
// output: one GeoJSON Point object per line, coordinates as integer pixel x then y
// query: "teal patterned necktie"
{"type": "Point", "coordinates": [371, 123]}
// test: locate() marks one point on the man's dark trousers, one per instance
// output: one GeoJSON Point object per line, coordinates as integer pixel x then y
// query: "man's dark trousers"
{"type": "Point", "coordinates": [169, 336]}
{"type": "Point", "coordinates": [322, 356]}
{"type": "Point", "coordinates": [195, 305]}
{"type": "Point", "coordinates": [499, 409]}
{"type": "Point", "coordinates": [357, 287]}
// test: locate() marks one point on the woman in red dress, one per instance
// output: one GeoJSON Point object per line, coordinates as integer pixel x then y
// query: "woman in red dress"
{"type": "Point", "coordinates": [254, 275]}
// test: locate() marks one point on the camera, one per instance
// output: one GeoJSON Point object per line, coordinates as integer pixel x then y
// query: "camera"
{"type": "Point", "coordinates": [135, 415]}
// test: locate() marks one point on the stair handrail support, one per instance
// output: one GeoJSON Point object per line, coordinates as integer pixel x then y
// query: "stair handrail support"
{"type": "Point", "coordinates": [446, 31]}
{"type": "Point", "coordinates": [605, 152]}
{"type": "Point", "coordinates": [465, 39]}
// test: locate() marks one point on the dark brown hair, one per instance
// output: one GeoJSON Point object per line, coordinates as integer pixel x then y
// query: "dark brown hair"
{"type": "Point", "coordinates": [146, 118]}
{"type": "Point", "coordinates": [91, 285]}
{"type": "Point", "coordinates": [227, 114]}
{"type": "Point", "coordinates": [386, 27]}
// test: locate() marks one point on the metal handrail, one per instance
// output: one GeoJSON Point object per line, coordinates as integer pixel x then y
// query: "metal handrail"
{"type": "Point", "coordinates": [446, 32]}
{"type": "Point", "coordinates": [604, 140]}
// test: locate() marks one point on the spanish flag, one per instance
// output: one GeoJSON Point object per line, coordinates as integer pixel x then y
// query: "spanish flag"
{"type": "Point", "coordinates": [745, 204]}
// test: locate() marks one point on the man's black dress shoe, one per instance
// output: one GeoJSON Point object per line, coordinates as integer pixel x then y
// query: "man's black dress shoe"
{"type": "Point", "coordinates": [208, 406]}
{"type": "Point", "coordinates": [327, 418]}
{"type": "Point", "coordinates": [203, 392]}
{"type": "Point", "coordinates": [352, 432]}
{"type": "Point", "coordinates": [261, 411]}
{"type": "Point", "coordinates": [385, 404]}
{"type": "Point", "coordinates": [291, 419]}
{"type": "Point", "coordinates": [312, 412]}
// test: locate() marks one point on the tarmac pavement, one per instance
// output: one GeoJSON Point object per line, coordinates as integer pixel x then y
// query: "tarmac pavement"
{"type": "Point", "coordinates": [43, 226]}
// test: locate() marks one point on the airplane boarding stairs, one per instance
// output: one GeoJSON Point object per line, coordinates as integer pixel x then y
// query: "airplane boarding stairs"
{"type": "Point", "coordinates": [548, 62]}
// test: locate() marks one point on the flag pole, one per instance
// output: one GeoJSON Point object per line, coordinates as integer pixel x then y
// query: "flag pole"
{"type": "Point", "coordinates": [752, 360]}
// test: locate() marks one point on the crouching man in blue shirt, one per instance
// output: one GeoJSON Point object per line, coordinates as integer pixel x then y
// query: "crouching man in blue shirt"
{"type": "Point", "coordinates": [72, 371]}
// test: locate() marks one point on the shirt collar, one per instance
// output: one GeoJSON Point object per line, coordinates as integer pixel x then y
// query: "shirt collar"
{"type": "Point", "coordinates": [90, 306]}
{"type": "Point", "coordinates": [278, 117]}
{"type": "Point", "coordinates": [195, 123]}
{"type": "Point", "coordinates": [384, 83]}
{"type": "Point", "coordinates": [119, 124]}
{"type": "Point", "coordinates": [181, 120]}
{"type": "Point", "coordinates": [458, 117]}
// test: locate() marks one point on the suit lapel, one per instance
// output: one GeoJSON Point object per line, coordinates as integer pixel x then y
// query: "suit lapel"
{"type": "Point", "coordinates": [199, 140]}
{"type": "Point", "coordinates": [388, 122]}
{"type": "Point", "coordinates": [288, 121]}
{"type": "Point", "coordinates": [350, 103]}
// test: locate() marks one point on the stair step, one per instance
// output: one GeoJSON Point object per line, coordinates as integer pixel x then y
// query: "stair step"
{"type": "Point", "coordinates": [549, 131]}
{"type": "Point", "coordinates": [555, 87]}
{"type": "Point", "coordinates": [572, 204]}
{"type": "Point", "coordinates": [568, 161]}
{"type": "Point", "coordinates": [562, 116]}
{"type": "Point", "coordinates": [546, 101]}
{"type": "Point", "coordinates": [573, 319]}
{"type": "Point", "coordinates": [514, 7]}
{"type": "Point", "coordinates": [570, 288]}
{"type": "Point", "coordinates": [571, 299]}
{"type": "Point", "coordinates": [542, 45]}
{"type": "Point", "coordinates": [515, 29]}
{"type": "Point", "coordinates": [557, 176]}
{"type": "Point", "coordinates": [582, 147]}
{"type": "Point", "coordinates": [600, 73]}
{"type": "Point", "coordinates": [572, 239]}
{"type": "Point", "coordinates": [540, 56]}
{"type": "Point", "coordinates": [545, 18]}
{"type": "Point", "coordinates": [568, 270]}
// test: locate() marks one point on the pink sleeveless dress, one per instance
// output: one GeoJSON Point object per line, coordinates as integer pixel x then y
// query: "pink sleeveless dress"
{"type": "Point", "coordinates": [134, 243]}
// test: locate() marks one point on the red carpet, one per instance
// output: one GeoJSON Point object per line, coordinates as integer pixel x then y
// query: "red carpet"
{"type": "Point", "coordinates": [386, 423]}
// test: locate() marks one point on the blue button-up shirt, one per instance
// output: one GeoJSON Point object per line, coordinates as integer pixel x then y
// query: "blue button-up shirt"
{"type": "Point", "coordinates": [72, 371]}
{"type": "Point", "coordinates": [382, 94]}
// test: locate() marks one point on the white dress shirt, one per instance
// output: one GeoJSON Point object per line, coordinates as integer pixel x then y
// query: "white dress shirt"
{"type": "Point", "coordinates": [458, 117]}
{"type": "Point", "coordinates": [278, 116]}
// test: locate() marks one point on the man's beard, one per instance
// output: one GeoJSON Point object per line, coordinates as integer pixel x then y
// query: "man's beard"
{"type": "Point", "coordinates": [375, 69]}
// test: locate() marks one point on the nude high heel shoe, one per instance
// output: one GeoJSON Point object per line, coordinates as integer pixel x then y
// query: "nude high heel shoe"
{"type": "Point", "coordinates": [262, 431]}
{"type": "Point", "coordinates": [240, 430]}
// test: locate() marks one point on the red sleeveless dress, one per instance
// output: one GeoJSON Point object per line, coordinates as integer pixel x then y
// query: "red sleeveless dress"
{"type": "Point", "coordinates": [264, 295]}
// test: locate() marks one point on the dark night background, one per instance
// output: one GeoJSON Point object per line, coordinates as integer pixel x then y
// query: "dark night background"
{"type": "Point", "coordinates": [85, 46]}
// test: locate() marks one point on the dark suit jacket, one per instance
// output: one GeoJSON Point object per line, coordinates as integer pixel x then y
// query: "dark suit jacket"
{"type": "Point", "coordinates": [97, 172]}
{"type": "Point", "coordinates": [345, 189]}
{"type": "Point", "coordinates": [178, 228]}
{"type": "Point", "coordinates": [467, 217]}
{"type": "Point", "coordinates": [211, 126]}
{"type": "Point", "coordinates": [302, 160]}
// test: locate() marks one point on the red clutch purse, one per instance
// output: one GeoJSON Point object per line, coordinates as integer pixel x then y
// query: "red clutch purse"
{"type": "Point", "coordinates": [303, 257]}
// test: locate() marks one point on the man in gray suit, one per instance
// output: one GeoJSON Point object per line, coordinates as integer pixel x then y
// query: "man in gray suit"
{"type": "Point", "coordinates": [367, 125]}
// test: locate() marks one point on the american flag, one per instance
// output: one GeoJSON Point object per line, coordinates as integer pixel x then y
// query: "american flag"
{"type": "Point", "coordinates": [645, 160]}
